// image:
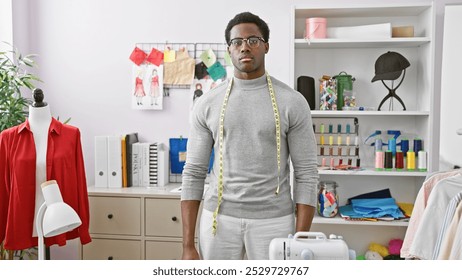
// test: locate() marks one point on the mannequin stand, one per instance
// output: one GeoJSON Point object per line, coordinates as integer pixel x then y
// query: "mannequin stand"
{"type": "Point", "coordinates": [392, 93]}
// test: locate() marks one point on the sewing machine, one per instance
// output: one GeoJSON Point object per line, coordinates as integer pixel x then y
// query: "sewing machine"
{"type": "Point", "coordinates": [310, 246]}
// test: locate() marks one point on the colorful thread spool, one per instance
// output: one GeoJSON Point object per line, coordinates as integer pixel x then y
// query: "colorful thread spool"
{"type": "Point", "coordinates": [378, 144]}
{"type": "Point", "coordinates": [399, 160]}
{"type": "Point", "coordinates": [417, 146]}
{"type": "Point", "coordinates": [379, 159]}
{"type": "Point", "coordinates": [405, 146]}
{"type": "Point", "coordinates": [392, 146]}
{"type": "Point", "coordinates": [422, 161]}
{"type": "Point", "coordinates": [388, 162]}
{"type": "Point", "coordinates": [410, 160]}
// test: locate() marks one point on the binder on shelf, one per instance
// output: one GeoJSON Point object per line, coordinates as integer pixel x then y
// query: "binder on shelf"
{"type": "Point", "coordinates": [114, 161]}
{"type": "Point", "coordinates": [163, 168]}
{"type": "Point", "coordinates": [124, 162]}
{"type": "Point", "coordinates": [101, 168]}
{"type": "Point", "coordinates": [177, 154]}
{"type": "Point", "coordinates": [130, 139]}
{"type": "Point", "coordinates": [150, 164]}
{"type": "Point", "coordinates": [136, 164]}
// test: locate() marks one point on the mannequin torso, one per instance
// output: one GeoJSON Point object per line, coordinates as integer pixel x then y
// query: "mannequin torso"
{"type": "Point", "coordinates": [39, 122]}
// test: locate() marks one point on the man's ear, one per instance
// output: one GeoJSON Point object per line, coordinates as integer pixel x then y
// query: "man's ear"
{"type": "Point", "coordinates": [266, 47]}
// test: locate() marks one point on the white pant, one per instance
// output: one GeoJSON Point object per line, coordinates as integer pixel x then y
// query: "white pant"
{"type": "Point", "coordinates": [237, 237]}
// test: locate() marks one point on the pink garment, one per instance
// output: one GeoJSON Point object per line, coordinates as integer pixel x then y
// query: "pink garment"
{"type": "Point", "coordinates": [419, 207]}
{"type": "Point", "coordinates": [139, 88]}
{"type": "Point", "coordinates": [451, 246]}
{"type": "Point", "coordinates": [155, 86]}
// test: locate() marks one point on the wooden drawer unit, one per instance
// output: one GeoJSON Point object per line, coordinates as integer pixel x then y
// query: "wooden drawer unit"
{"type": "Point", "coordinates": [164, 250]}
{"type": "Point", "coordinates": [115, 215]}
{"type": "Point", "coordinates": [163, 217]}
{"type": "Point", "coordinates": [112, 249]}
{"type": "Point", "coordinates": [134, 223]}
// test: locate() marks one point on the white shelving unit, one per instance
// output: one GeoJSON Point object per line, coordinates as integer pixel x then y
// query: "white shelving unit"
{"type": "Point", "coordinates": [330, 56]}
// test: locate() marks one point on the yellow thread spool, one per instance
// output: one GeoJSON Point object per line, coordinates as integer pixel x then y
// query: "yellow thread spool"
{"type": "Point", "coordinates": [411, 160]}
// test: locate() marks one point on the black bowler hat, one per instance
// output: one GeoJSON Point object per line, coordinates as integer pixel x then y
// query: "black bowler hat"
{"type": "Point", "coordinates": [389, 66]}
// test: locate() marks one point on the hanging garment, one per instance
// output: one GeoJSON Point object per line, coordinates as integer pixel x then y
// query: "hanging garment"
{"type": "Point", "coordinates": [451, 245]}
{"type": "Point", "coordinates": [17, 182]}
{"type": "Point", "coordinates": [427, 233]}
{"type": "Point", "coordinates": [419, 208]}
{"type": "Point", "coordinates": [448, 217]}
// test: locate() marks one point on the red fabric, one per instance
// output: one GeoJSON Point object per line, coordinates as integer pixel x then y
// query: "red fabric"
{"type": "Point", "coordinates": [17, 183]}
{"type": "Point", "coordinates": [138, 56]}
{"type": "Point", "coordinates": [155, 57]}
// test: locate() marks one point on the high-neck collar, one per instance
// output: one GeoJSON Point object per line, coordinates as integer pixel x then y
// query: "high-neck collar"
{"type": "Point", "coordinates": [250, 84]}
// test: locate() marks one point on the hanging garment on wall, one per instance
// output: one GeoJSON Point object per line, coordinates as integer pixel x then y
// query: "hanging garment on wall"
{"type": "Point", "coordinates": [181, 70]}
{"type": "Point", "coordinates": [17, 183]}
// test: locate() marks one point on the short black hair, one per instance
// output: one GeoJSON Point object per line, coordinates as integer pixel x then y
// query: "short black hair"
{"type": "Point", "coordinates": [247, 17]}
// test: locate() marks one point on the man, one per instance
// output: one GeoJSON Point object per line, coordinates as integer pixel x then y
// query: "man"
{"type": "Point", "coordinates": [252, 122]}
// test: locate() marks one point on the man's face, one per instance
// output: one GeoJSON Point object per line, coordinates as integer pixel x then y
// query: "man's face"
{"type": "Point", "coordinates": [249, 62]}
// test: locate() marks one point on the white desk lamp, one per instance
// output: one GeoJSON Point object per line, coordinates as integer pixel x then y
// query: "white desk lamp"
{"type": "Point", "coordinates": [54, 216]}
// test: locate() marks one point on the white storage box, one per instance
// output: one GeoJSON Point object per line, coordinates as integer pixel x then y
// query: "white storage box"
{"type": "Point", "coordinates": [371, 31]}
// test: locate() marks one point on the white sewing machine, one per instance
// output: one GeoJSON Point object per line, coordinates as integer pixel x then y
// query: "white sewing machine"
{"type": "Point", "coordinates": [310, 246]}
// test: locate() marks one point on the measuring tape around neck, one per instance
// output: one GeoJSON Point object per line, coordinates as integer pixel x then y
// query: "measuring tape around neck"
{"type": "Point", "coordinates": [221, 141]}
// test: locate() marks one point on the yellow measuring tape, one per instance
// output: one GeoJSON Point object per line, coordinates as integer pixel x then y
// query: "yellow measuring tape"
{"type": "Point", "coordinates": [220, 144]}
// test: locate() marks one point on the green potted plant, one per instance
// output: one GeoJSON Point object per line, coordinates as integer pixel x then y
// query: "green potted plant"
{"type": "Point", "coordinates": [14, 76]}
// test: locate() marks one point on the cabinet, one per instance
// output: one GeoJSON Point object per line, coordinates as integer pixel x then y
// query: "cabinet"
{"type": "Point", "coordinates": [330, 56]}
{"type": "Point", "coordinates": [134, 223]}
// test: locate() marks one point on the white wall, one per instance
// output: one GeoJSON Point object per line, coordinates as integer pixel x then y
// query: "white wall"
{"type": "Point", "coordinates": [84, 45]}
{"type": "Point", "coordinates": [6, 24]}
{"type": "Point", "coordinates": [83, 49]}
{"type": "Point", "coordinates": [451, 99]}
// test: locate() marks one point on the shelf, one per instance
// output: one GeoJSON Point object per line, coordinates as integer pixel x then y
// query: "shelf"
{"type": "Point", "coordinates": [319, 113]}
{"type": "Point", "coordinates": [361, 43]}
{"type": "Point", "coordinates": [339, 221]}
{"type": "Point", "coordinates": [371, 172]}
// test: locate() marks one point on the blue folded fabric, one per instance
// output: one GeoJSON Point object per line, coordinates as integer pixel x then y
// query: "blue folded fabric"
{"type": "Point", "coordinates": [376, 207]}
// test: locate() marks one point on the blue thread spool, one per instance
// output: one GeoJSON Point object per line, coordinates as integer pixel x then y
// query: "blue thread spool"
{"type": "Point", "coordinates": [331, 128]}
{"type": "Point", "coordinates": [417, 146]}
{"type": "Point", "coordinates": [348, 128]}
{"type": "Point", "coordinates": [405, 146]}
{"type": "Point", "coordinates": [378, 145]}
{"type": "Point", "coordinates": [392, 146]}
{"type": "Point", "coordinates": [339, 128]}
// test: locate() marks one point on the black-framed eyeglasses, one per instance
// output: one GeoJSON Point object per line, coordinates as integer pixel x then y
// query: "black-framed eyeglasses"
{"type": "Point", "coordinates": [252, 42]}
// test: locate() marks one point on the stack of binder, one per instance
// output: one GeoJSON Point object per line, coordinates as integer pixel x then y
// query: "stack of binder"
{"type": "Point", "coordinates": [122, 161]}
{"type": "Point", "coordinates": [150, 164]}
{"type": "Point", "coordinates": [108, 161]}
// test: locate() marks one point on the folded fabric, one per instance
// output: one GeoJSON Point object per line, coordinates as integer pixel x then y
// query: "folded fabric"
{"type": "Point", "coordinates": [138, 56]}
{"type": "Point", "coordinates": [217, 71]}
{"type": "Point", "coordinates": [377, 207]}
{"type": "Point", "coordinates": [155, 57]}
{"type": "Point", "coordinates": [385, 193]}
{"type": "Point", "coordinates": [200, 71]}
{"type": "Point", "coordinates": [208, 57]}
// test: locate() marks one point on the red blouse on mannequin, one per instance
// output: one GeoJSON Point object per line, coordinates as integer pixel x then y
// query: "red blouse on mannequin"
{"type": "Point", "coordinates": [64, 163]}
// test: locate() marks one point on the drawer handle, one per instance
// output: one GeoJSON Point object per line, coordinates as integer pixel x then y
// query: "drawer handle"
{"type": "Point", "coordinates": [174, 219]}
{"type": "Point", "coordinates": [110, 258]}
{"type": "Point", "coordinates": [110, 216]}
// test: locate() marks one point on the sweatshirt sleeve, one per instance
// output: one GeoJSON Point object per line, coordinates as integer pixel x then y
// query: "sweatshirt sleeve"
{"type": "Point", "coordinates": [302, 147]}
{"type": "Point", "coordinates": [199, 149]}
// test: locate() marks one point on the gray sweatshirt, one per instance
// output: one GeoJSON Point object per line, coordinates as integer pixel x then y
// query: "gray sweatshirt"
{"type": "Point", "coordinates": [249, 154]}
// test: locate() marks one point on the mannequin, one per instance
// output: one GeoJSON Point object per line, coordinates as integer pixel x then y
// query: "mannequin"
{"type": "Point", "coordinates": [39, 121]}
